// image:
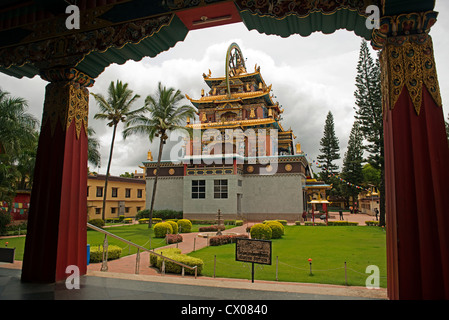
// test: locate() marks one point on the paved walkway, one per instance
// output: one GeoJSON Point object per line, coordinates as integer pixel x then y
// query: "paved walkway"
{"type": "Point", "coordinates": [190, 242]}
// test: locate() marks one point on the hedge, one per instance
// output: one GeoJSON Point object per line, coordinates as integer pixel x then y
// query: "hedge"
{"type": "Point", "coordinates": [342, 223]}
{"type": "Point", "coordinates": [175, 254]}
{"type": "Point", "coordinates": [225, 239]}
{"type": "Point", "coordinates": [372, 223]}
{"type": "Point", "coordinates": [211, 228]}
{"type": "Point", "coordinates": [261, 231]}
{"type": "Point", "coordinates": [173, 238]}
{"type": "Point", "coordinates": [97, 222]}
{"type": "Point", "coordinates": [161, 229]}
{"type": "Point", "coordinates": [161, 214]}
{"type": "Point", "coordinates": [332, 223]}
{"type": "Point", "coordinates": [96, 253]}
{"type": "Point", "coordinates": [310, 223]}
{"type": "Point", "coordinates": [184, 225]}
{"type": "Point", "coordinates": [277, 229]}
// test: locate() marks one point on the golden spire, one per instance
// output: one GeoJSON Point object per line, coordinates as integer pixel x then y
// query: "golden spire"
{"type": "Point", "coordinates": [149, 156]}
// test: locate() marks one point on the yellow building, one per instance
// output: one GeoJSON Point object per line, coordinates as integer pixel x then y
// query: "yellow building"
{"type": "Point", "coordinates": [126, 196]}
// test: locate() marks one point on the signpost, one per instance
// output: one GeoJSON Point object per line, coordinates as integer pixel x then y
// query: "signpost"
{"type": "Point", "coordinates": [254, 251]}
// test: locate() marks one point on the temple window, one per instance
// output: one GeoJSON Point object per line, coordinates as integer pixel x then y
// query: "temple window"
{"type": "Point", "coordinates": [220, 189]}
{"type": "Point", "coordinates": [114, 192]}
{"type": "Point", "coordinates": [198, 189]}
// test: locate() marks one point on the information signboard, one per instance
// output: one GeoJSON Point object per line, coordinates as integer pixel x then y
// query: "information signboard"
{"type": "Point", "coordinates": [253, 250]}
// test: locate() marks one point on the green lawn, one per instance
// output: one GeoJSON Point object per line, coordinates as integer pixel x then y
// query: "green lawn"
{"type": "Point", "coordinates": [328, 247]}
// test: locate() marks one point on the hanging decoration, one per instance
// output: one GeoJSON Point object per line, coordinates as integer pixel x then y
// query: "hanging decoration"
{"type": "Point", "coordinates": [336, 175]}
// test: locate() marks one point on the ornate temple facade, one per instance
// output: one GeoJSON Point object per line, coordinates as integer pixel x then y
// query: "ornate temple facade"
{"type": "Point", "coordinates": [238, 157]}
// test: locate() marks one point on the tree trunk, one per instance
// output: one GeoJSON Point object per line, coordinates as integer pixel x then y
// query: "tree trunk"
{"type": "Point", "coordinates": [159, 157]}
{"type": "Point", "coordinates": [103, 215]}
{"type": "Point", "coordinates": [382, 221]}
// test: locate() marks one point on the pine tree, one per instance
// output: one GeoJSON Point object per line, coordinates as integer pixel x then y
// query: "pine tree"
{"type": "Point", "coordinates": [352, 163]}
{"type": "Point", "coordinates": [329, 149]}
{"type": "Point", "coordinates": [369, 114]}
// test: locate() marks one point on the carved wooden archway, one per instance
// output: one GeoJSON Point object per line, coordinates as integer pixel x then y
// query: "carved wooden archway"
{"type": "Point", "coordinates": [35, 41]}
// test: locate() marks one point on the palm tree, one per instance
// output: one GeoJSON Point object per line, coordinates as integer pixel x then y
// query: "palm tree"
{"type": "Point", "coordinates": [93, 145]}
{"type": "Point", "coordinates": [165, 116]}
{"type": "Point", "coordinates": [116, 109]}
{"type": "Point", "coordinates": [26, 161]}
{"type": "Point", "coordinates": [17, 127]}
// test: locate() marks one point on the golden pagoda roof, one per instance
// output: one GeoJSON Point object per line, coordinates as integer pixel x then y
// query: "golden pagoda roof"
{"type": "Point", "coordinates": [220, 98]}
{"type": "Point", "coordinates": [241, 75]}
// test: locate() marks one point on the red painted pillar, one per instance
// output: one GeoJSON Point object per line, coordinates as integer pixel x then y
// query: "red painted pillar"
{"type": "Point", "coordinates": [416, 172]}
{"type": "Point", "coordinates": [56, 235]}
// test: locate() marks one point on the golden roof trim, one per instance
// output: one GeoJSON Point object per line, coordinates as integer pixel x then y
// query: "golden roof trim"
{"type": "Point", "coordinates": [234, 97]}
{"type": "Point", "coordinates": [242, 75]}
{"type": "Point", "coordinates": [236, 123]}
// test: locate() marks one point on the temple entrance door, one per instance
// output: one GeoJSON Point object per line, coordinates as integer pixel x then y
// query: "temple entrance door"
{"type": "Point", "coordinates": [239, 205]}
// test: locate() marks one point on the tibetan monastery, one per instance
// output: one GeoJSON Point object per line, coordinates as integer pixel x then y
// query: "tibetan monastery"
{"type": "Point", "coordinates": [242, 162]}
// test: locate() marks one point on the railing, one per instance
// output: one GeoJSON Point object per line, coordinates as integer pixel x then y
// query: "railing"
{"type": "Point", "coordinates": [104, 265]}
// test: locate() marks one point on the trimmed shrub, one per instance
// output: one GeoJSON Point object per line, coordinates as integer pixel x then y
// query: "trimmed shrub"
{"type": "Point", "coordinates": [211, 228]}
{"type": "Point", "coordinates": [297, 223]}
{"type": "Point", "coordinates": [310, 223]}
{"type": "Point", "coordinates": [283, 222]}
{"type": "Point", "coordinates": [372, 223]}
{"type": "Point", "coordinates": [174, 226]}
{"type": "Point", "coordinates": [144, 220]}
{"type": "Point", "coordinates": [127, 220]}
{"type": "Point", "coordinates": [165, 252]}
{"type": "Point", "coordinates": [175, 254]}
{"type": "Point", "coordinates": [238, 223]}
{"type": "Point", "coordinates": [96, 253]}
{"type": "Point", "coordinates": [342, 223]}
{"type": "Point", "coordinates": [161, 229]}
{"type": "Point", "coordinates": [277, 229]}
{"type": "Point", "coordinates": [184, 225]}
{"type": "Point", "coordinates": [261, 231]}
{"type": "Point", "coordinates": [173, 238]}
{"type": "Point", "coordinates": [225, 239]}
{"type": "Point", "coordinates": [97, 222]}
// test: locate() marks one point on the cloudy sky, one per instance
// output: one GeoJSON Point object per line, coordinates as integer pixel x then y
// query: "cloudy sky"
{"type": "Point", "coordinates": [310, 76]}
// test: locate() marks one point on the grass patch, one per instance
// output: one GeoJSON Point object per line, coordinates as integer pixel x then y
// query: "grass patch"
{"type": "Point", "coordinates": [329, 247]}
